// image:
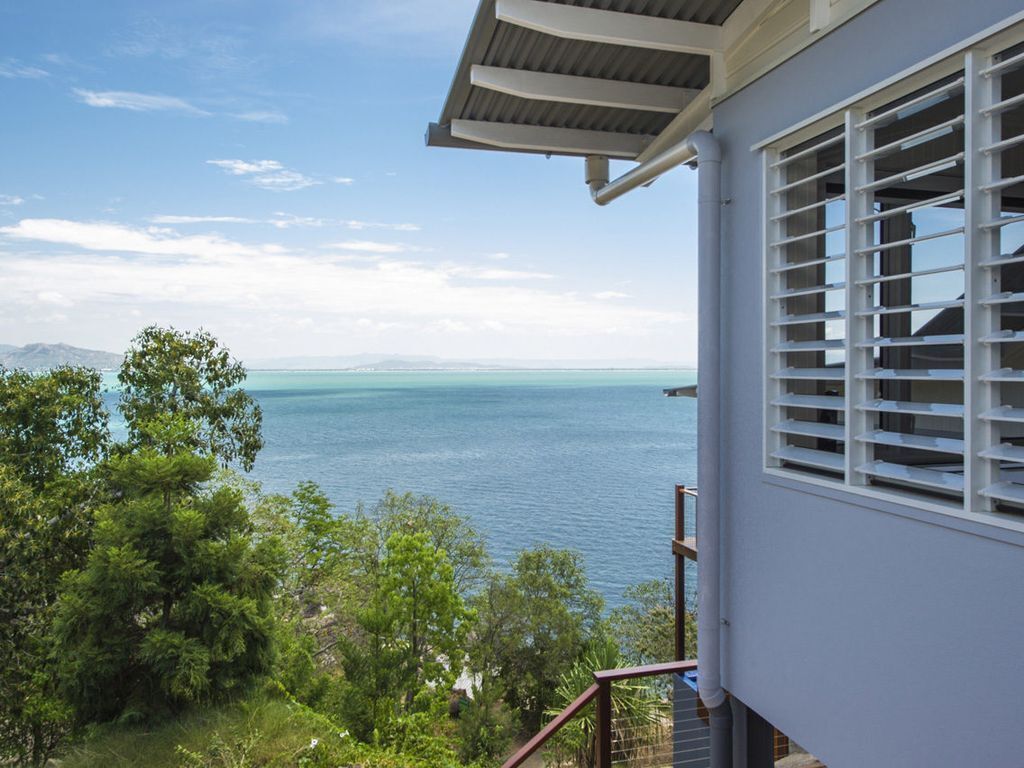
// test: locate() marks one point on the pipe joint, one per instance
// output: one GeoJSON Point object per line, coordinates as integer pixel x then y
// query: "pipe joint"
{"type": "Point", "coordinates": [596, 172]}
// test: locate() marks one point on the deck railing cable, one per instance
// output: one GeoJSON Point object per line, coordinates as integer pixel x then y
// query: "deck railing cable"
{"type": "Point", "coordinates": [659, 735]}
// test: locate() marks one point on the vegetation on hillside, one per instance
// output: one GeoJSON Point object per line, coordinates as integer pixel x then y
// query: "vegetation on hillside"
{"type": "Point", "coordinates": [158, 608]}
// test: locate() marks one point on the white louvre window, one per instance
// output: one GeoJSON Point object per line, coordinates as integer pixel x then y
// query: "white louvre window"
{"type": "Point", "coordinates": [806, 291]}
{"type": "Point", "coordinates": [907, 291]}
{"type": "Point", "coordinates": [999, 295]}
{"type": "Point", "coordinates": [894, 290]}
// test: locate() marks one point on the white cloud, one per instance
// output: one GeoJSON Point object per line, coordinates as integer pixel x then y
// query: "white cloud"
{"type": "Point", "coordinates": [95, 283]}
{"type": "Point", "coordinates": [289, 220]}
{"type": "Point", "coordinates": [605, 295]}
{"type": "Point", "coordinates": [58, 59]}
{"type": "Point", "coordinates": [12, 69]}
{"type": "Point", "coordinates": [171, 219]}
{"type": "Point", "coordinates": [53, 297]}
{"type": "Point", "coordinates": [355, 224]}
{"type": "Point", "coordinates": [500, 274]}
{"type": "Point", "coordinates": [280, 220]}
{"type": "Point", "coordinates": [346, 180]}
{"type": "Point", "coordinates": [136, 102]}
{"type": "Point", "coordinates": [263, 116]}
{"type": "Point", "coordinates": [103, 236]}
{"type": "Point", "coordinates": [266, 174]}
{"type": "Point", "coordinates": [243, 167]}
{"type": "Point", "coordinates": [263, 287]}
{"type": "Point", "coordinates": [499, 256]}
{"type": "Point", "coordinates": [369, 246]}
{"type": "Point", "coordinates": [11, 200]}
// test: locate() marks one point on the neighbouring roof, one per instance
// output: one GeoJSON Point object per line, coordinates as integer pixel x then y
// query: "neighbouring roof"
{"type": "Point", "coordinates": [499, 44]}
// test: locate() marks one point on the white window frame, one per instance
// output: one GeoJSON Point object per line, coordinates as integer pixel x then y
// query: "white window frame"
{"type": "Point", "coordinates": [974, 57]}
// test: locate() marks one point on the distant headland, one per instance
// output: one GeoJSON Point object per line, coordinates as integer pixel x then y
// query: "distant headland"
{"type": "Point", "coordinates": [43, 356]}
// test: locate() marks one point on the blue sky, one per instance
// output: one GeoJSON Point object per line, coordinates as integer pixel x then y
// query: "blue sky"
{"type": "Point", "coordinates": [258, 169]}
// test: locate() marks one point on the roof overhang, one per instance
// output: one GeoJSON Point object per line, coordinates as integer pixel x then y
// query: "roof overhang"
{"type": "Point", "coordinates": [617, 78]}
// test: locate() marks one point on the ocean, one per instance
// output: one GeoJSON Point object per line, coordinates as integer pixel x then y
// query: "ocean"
{"type": "Point", "coordinates": [578, 459]}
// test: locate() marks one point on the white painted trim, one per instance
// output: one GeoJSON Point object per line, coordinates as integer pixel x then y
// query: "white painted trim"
{"type": "Point", "coordinates": [574, 22]}
{"type": "Point", "coordinates": [592, 91]}
{"type": "Point", "coordinates": [859, 329]}
{"type": "Point", "coordinates": [697, 116]}
{"type": "Point", "coordinates": [771, 283]}
{"type": "Point", "coordinates": [744, 20]}
{"type": "Point", "coordinates": [980, 245]}
{"type": "Point", "coordinates": [988, 526]}
{"type": "Point", "coordinates": [821, 13]}
{"type": "Point", "coordinates": [539, 139]}
{"type": "Point", "coordinates": [911, 77]}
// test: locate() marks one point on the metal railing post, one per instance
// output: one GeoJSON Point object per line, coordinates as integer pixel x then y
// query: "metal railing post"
{"type": "Point", "coordinates": [603, 747]}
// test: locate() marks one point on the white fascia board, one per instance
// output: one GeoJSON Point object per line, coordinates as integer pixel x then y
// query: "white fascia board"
{"type": "Point", "coordinates": [596, 26]}
{"type": "Point", "coordinates": [559, 141]}
{"type": "Point", "coordinates": [591, 91]}
{"type": "Point", "coordinates": [744, 20]}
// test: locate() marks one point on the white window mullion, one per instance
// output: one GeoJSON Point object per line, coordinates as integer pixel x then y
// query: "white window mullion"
{"type": "Point", "coordinates": [774, 284]}
{"type": "Point", "coordinates": [859, 300]}
{"type": "Point", "coordinates": [981, 319]}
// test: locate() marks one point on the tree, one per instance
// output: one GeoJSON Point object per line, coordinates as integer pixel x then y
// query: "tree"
{"type": "Point", "coordinates": [446, 530]}
{"type": "Point", "coordinates": [638, 712]}
{"type": "Point", "coordinates": [32, 717]}
{"type": "Point", "coordinates": [645, 627]}
{"type": "Point", "coordinates": [486, 726]}
{"type": "Point", "coordinates": [174, 604]}
{"type": "Point", "coordinates": [52, 424]}
{"type": "Point", "coordinates": [410, 637]}
{"type": "Point", "coordinates": [533, 624]}
{"type": "Point", "coordinates": [188, 374]}
{"type": "Point", "coordinates": [53, 433]}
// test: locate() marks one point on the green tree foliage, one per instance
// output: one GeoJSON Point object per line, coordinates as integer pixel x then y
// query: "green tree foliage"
{"type": "Point", "coordinates": [645, 627]}
{"type": "Point", "coordinates": [412, 626]}
{"type": "Point", "coordinates": [533, 625]}
{"type": "Point", "coordinates": [446, 531]}
{"type": "Point", "coordinates": [51, 425]}
{"type": "Point", "coordinates": [53, 431]}
{"type": "Point", "coordinates": [188, 374]}
{"type": "Point", "coordinates": [32, 717]}
{"type": "Point", "coordinates": [486, 725]}
{"type": "Point", "coordinates": [638, 712]}
{"type": "Point", "coordinates": [174, 604]}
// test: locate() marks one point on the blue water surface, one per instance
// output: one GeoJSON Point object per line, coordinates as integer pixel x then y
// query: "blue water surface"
{"type": "Point", "coordinates": [580, 459]}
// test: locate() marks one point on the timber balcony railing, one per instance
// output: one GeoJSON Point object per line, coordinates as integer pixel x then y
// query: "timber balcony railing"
{"type": "Point", "coordinates": [684, 547]}
{"type": "Point", "coordinates": [634, 717]}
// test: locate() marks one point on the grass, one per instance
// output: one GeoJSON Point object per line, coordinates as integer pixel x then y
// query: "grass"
{"type": "Point", "coordinates": [262, 733]}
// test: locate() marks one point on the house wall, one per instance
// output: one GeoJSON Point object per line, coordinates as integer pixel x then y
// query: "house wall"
{"type": "Point", "coordinates": [873, 634]}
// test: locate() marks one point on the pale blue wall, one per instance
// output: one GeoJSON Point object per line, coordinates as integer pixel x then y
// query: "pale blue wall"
{"type": "Point", "coordinates": [872, 638]}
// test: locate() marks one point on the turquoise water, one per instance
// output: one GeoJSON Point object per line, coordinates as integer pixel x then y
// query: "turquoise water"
{"type": "Point", "coordinates": [575, 459]}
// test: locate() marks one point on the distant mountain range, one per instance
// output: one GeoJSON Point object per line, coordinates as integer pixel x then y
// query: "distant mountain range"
{"type": "Point", "coordinates": [41, 356]}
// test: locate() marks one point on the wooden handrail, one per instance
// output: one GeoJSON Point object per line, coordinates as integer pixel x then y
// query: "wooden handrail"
{"type": "Point", "coordinates": [552, 728]}
{"type": "Point", "coordinates": [601, 687]}
{"type": "Point", "coordinates": [648, 670]}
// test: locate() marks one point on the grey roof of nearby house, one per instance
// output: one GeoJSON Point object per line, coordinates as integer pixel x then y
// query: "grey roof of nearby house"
{"type": "Point", "coordinates": [500, 44]}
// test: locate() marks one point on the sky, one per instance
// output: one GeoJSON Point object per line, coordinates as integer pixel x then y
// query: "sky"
{"type": "Point", "coordinates": [258, 169]}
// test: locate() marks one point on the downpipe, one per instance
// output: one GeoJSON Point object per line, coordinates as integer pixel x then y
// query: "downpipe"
{"type": "Point", "coordinates": [702, 147]}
